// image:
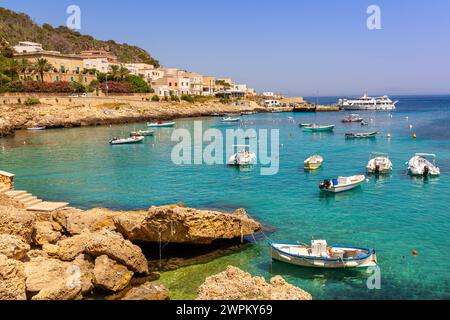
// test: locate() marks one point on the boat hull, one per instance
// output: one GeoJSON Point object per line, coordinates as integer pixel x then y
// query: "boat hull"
{"type": "Point", "coordinates": [368, 260]}
{"type": "Point", "coordinates": [318, 129]}
{"type": "Point", "coordinates": [161, 125]}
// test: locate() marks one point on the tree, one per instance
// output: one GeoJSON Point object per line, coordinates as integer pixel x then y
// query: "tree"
{"type": "Point", "coordinates": [41, 66]}
{"type": "Point", "coordinates": [12, 68]}
{"type": "Point", "coordinates": [114, 72]}
{"type": "Point", "coordinates": [123, 72]}
{"type": "Point", "coordinates": [139, 85]}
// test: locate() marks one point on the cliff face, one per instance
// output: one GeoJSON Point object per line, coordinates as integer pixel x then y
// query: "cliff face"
{"type": "Point", "coordinates": [15, 27]}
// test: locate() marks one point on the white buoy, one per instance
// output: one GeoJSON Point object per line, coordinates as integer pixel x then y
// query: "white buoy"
{"type": "Point", "coordinates": [388, 135]}
{"type": "Point", "coordinates": [411, 127]}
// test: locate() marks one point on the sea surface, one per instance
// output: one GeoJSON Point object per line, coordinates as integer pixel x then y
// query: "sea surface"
{"type": "Point", "coordinates": [394, 214]}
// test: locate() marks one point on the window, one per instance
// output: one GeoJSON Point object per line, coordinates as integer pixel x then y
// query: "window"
{"type": "Point", "coordinates": [170, 84]}
{"type": "Point", "coordinates": [72, 78]}
{"type": "Point", "coordinates": [57, 78]}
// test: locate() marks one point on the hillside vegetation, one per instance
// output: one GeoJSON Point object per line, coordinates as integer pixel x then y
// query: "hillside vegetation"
{"type": "Point", "coordinates": [15, 27]}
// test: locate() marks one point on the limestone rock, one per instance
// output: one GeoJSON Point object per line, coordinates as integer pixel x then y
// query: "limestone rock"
{"type": "Point", "coordinates": [110, 275]}
{"type": "Point", "coordinates": [18, 222]}
{"type": "Point", "coordinates": [12, 279]}
{"type": "Point", "coordinates": [114, 246]}
{"type": "Point", "coordinates": [41, 272]}
{"type": "Point", "coordinates": [44, 233]}
{"type": "Point", "coordinates": [148, 291]}
{"type": "Point", "coordinates": [68, 249]}
{"type": "Point", "coordinates": [13, 247]}
{"type": "Point", "coordinates": [86, 265]}
{"type": "Point", "coordinates": [92, 220]}
{"type": "Point", "coordinates": [59, 290]}
{"type": "Point", "coordinates": [177, 224]}
{"type": "Point", "coordinates": [235, 284]}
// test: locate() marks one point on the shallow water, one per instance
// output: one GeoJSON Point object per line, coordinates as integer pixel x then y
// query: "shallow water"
{"type": "Point", "coordinates": [394, 214]}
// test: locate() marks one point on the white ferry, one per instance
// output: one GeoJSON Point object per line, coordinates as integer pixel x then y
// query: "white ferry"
{"type": "Point", "coordinates": [366, 103]}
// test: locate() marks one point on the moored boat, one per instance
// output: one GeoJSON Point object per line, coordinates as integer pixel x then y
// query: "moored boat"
{"type": "Point", "coordinates": [342, 183]}
{"type": "Point", "coordinates": [230, 119]}
{"type": "Point", "coordinates": [36, 128]}
{"type": "Point", "coordinates": [313, 163]}
{"type": "Point", "coordinates": [352, 118]}
{"type": "Point", "coordinates": [320, 255]}
{"type": "Point", "coordinates": [242, 158]}
{"type": "Point", "coordinates": [419, 165]}
{"type": "Point", "coordinates": [318, 128]}
{"type": "Point", "coordinates": [142, 133]}
{"type": "Point", "coordinates": [161, 124]}
{"type": "Point", "coordinates": [361, 135]}
{"type": "Point", "coordinates": [302, 125]}
{"type": "Point", "coordinates": [379, 163]}
{"type": "Point", "coordinates": [131, 140]}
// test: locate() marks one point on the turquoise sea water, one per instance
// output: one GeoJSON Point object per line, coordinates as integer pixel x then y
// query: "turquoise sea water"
{"type": "Point", "coordinates": [394, 214]}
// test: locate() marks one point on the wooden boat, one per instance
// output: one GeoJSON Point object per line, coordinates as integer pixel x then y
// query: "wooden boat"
{"type": "Point", "coordinates": [419, 165]}
{"type": "Point", "coordinates": [352, 118]}
{"type": "Point", "coordinates": [161, 124]}
{"type": "Point", "coordinates": [320, 255]}
{"type": "Point", "coordinates": [229, 119]}
{"type": "Point", "coordinates": [131, 140]}
{"type": "Point", "coordinates": [379, 163]}
{"type": "Point", "coordinates": [36, 128]}
{"type": "Point", "coordinates": [342, 183]}
{"type": "Point", "coordinates": [313, 163]}
{"type": "Point", "coordinates": [363, 135]}
{"type": "Point", "coordinates": [318, 128]}
{"type": "Point", "coordinates": [142, 133]}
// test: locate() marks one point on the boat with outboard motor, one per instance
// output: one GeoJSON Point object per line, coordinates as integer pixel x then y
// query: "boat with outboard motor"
{"type": "Point", "coordinates": [379, 163]}
{"type": "Point", "coordinates": [419, 165]}
{"type": "Point", "coordinates": [361, 135]}
{"type": "Point", "coordinates": [318, 128]}
{"type": "Point", "coordinates": [313, 163]}
{"type": "Point", "coordinates": [352, 118]}
{"type": "Point", "coordinates": [320, 255]}
{"type": "Point", "coordinates": [131, 140]}
{"type": "Point", "coordinates": [161, 124]}
{"type": "Point", "coordinates": [342, 183]}
{"type": "Point", "coordinates": [242, 158]}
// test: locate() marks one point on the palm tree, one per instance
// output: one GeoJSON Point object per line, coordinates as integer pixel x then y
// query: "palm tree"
{"type": "Point", "coordinates": [13, 68]}
{"type": "Point", "coordinates": [114, 72]}
{"type": "Point", "coordinates": [41, 66]}
{"type": "Point", "coordinates": [123, 72]}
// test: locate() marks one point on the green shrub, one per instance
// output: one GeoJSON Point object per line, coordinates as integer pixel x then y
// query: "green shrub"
{"type": "Point", "coordinates": [188, 98]}
{"type": "Point", "coordinates": [138, 84]}
{"type": "Point", "coordinates": [174, 98]}
{"type": "Point", "coordinates": [32, 101]}
{"type": "Point", "coordinates": [155, 98]}
{"type": "Point", "coordinates": [78, 87]}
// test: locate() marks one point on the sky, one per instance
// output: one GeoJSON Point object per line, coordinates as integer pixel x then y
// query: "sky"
{"type": "Point", "coordinates": [296, 47]}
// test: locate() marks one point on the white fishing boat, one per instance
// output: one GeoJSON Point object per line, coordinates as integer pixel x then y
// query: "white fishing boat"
{"type": "Point", "coordinates": [342, 183]}
{"type": "Point", "coordinates": [230, 119]}
{"type": "Point", "coordinates": [161, 124]}
{"type": "Point", "coordinates": [419, 165]}
{"type": "Point", "coordinates": [243, 157]}
{"type": "Point", "coordinates": [313, 163]}
{"type": "Point", "coordinates": [320, 255]}
{"type": "Point", "coordinates": [352, 118]}
{"type": "Point", "coordinates": [36, 128]}
{"type": "Point", "coordinates": [379, 163]}
{"type": "Point", "coordinates": [131, 140]}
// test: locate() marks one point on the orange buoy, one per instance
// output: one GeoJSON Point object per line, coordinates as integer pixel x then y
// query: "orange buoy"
{"type": "Point", "coordinates": [415, 253]}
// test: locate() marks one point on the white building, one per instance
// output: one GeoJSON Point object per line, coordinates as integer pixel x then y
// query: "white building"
{"type": "Point", "coordinates": [268, 94]}
{"type": "Point", "coordinates": [271, 103]}
{"type": "Point", "coordinates": [27, 47]}
{"type": "Point", "coordinates": [99, 64]}
{"type": "Point", "coordinates": [143, 70]}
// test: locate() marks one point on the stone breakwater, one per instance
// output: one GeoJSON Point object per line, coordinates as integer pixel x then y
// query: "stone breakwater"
{"type": "Point", "coordinates": [64, 112]}
{"type": "Point", "coordinates": [71, 254]}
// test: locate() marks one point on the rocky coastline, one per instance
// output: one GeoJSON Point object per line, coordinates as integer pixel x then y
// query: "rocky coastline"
{"type": "Point", "coordinates": [70, 254]}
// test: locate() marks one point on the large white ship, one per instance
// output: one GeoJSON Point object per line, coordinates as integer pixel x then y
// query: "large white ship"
{"type": "Point", "coordinates": [366, 103]}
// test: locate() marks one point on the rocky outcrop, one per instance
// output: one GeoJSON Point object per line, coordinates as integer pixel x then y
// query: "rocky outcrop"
{"type": "Point", "coordinates": [235, 284]}
{"type": "Point", "coordinates": [59, 290]}
{"type": "Point", "coordinates": [17, 222]}
{"type": "Point", "coordinates": [175, 224]}
{"type": "Point", "coordinates": [100, 243]}
{"type": "Point", "coordinates": [44, 233]}
{"type": "Point", "coordinates": [13, 247]}
{"type": "Point", "coordinates": [110, 275]}
{"type": "Point", "coordinates": [91, 220]}
{"type": "Point", "coordinates": [12, 279]}
{"type": "Point", "coordinates": [148, 291]}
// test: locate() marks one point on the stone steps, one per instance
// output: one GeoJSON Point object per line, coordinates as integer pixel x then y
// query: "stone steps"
{"type": "Point", "coordinates": [32, 203]}
{"type": "Point", "coordinates": [26, 199]}
{"type": "Point", "coordinates": [3, 189]}
{"type": "Point", "coordinates": [22, 196]}
{"type": "Point", "coordinates": [13, 194]}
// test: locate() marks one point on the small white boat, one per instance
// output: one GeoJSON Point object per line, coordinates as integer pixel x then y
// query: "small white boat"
{"type": "Point", "coordinates": [243, 157]}
{"type": "Point", "coordinates": [313, 163]}
{"type": "Point", "coordinates": [229, 119]}
{"type": "Point", "coordinates": [352, 118]}
{"type": "Point", "coordinates": [130, 140]}
{"type": "Point", "coordinates": [36, 128]}
{"type": "Point", "coordinates": [342, 183]}
{"type": "Point", "coordinates": [320, 255]}
{"type": "Point", "coordinates": [379, 163]}
{"type": "Point", "coordinates": [419, 165]}
{"type": "Point", "coordinates": [161, 124]}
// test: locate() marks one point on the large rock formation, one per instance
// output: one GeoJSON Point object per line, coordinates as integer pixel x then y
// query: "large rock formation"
{"type": "Point", "coordinates": [148, 291]}
{"type": "Point", "coordinates": [235, 284]}
{"type": "Point", "coordinates": [13, 247]}
{"type": "Point", "coordinates": [44, 233]}
{"type": "Point", "coordinates": [12, 279]}
{"type": "Point", "coordinates": [18, 222]}
{"type": "Point", "coordinates": [110, 275]}
{"type": "Point", "coordinates": [175, 224]}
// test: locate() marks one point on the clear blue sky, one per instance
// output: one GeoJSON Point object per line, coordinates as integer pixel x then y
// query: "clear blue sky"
{"type": "Point", "coordinates": [292, 46]}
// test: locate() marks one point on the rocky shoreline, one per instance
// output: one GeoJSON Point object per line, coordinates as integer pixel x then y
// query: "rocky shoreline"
{"type": "Point", "coordinates": [70, 254]}
{"type": "Point", "coordinates": [66, 112]}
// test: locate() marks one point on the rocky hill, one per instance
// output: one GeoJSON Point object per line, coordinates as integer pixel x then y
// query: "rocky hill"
{"type": "Point", "coordinates": [15, 27]}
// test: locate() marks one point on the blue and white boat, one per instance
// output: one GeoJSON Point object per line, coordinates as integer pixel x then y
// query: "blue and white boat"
{"type": "Point", "coordinates": [320, 255]}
